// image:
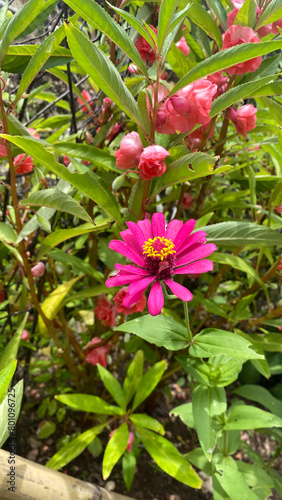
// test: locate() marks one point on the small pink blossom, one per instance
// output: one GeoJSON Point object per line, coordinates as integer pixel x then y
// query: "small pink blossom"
{"type": "Point", "coordinates": [163, 124]}
{"type": "Point", "coordinates": [33, 132]}
{"type": "Point", "coordinates": [237, 35]}
{"type": "Point", "coordinates": [119, 298]}
{"type": "Point", "coordinates": [66, 160]}
{"type": "Point", "coordinates": [3, 151]}
{"type": "Point", "coordinates": [220, 81]}
{"type": "Point", "coordinates": [152, 162]}
{"type": "Point", "coordinates": [183, 46]}
{"type": "Point", "coordinates": [113, 132]}
{"type": "Point", "coordinates": [237, 3]}
{"type": "Point", "coordinates": [38, 270]}
{"type": "Point", "coordinates": [278, 209]}
{"type": "Point", "coordinates": [145, 50]}
{"type": "Point", "coordinates": [105, 311]}
{"type": "Point", "coordinates": [25, 335]}
{"type": "Point", "coordinates": [187, 201]}
{"type": "Point", "coordinates": [87, 98]}
{"type": "Point", "coordinates": [159, 253]}
{"type": "Point", "coordinates": [23, 163]}
{"type": "Point", "coordinates": [97, 355]}
{"type": "Point", "coordinates": [191, 105]}
{"type": "Point", "coordinates": [128, 155]}
{"type": "Point", "coordinates": [244, 118]}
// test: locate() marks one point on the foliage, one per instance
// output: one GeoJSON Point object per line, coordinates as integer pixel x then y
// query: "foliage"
{"type": "Point", "coordinates": [138, 109]}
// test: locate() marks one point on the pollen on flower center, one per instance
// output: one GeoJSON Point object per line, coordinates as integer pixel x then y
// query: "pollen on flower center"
{"type": "Point", "coordinates": [159, 248]}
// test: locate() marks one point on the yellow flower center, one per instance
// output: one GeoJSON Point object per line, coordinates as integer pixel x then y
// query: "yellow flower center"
{"type": "Point", "coordinates": [158, 247]}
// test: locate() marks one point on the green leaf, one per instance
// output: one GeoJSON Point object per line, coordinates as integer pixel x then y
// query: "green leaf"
{"type": "Point", "coordinates": [75, 447]}
{"type": "Point", "coordinates": [226, 58]}
{"type": "Point", "coordinates": [112, 386]}
{"type": "Point", "coordinates": [270, 342]}
{"type": "Point", "coordinates": [96, 156]}
{"type": "Point", "coordinates": [91, 291]}
{"type": "Point", "coordinates": [10, 352]}
{"type": "Point", "coordinates": [59, 201]}
{"type": "Point", "coordinates": [211, 342]}
{"type": "Point", "coordinates": [201, 18]}
{"type": "Point", "coordinates": [46, 430]}
{"type": "Point", "coordinates": [61, 235]}
{"type": "Point", "coordinates": [53, 303]}
{"type": "Point", "coordinates": [201, 404]}
{"type": "Point", "coordinates": [95, 15]}
{"type": "Point", "coordinates": [219, 12]}
{"type": "Point", "coordinates": [233, 483]}
{"type": "Point", "coordinates": [88, 403]}
{"type": "Point", "coordinates": [39, 20]}
{"type": "Point", "coordinates": [133, 376]}
{"type": "Point", "coordinates": [245, 417]}
{"type": "Point", "coordinates": [45, 50]}
{"type": "Point", "coordinates": [142, 420]}
{"type": "Point", "coordinates": [103, 72]}
{"type": "Point", "coordinates": [19, 22]}
{"type": "Point", "coordinates": [274, 107]}
{"type": "Point", "coordinates": [233, 234]}
{"type": "Point", "coordinates": [185, 413]}
{"type": "Point", "coordinates": [180, 170]}
{"type": "Point", "coordinates": [166, 13]}
{"type": "Point", "coordinates": [15, 396]}
{"type": "Point", "coordinates": [3, 12]}
{"type": "Point", "coordinates": [239, 92]}
{"type": "Point", "coordinates": [7, 233]}
{"type": "Point", "coordinates": [128, 469]}
{"type": "Point", "coordinates": [77, 264]}
{"type": "Point", "coordinates": [168, 458]}
{"type": "Point", "coordinates": [135, 23]}
{"type": "Point", "coordinates": [6, 375]}
{"type": "Point", "coordinates": [272, 12]}
{"type": "Point", "coordinates": [148, 383]}
{"type": "Point", "coordinates": [89, 183]}
{"type": "Point", "coordinates": [115, 449]}
{"type": "Point", "coordinates": [209, 305]}
{"type": "Point", "coordinates": [247, 14]}
{"type": "Point", "coordinates": [255, 476]}
{"type": "Point", "coordinates": [262, 396]}
{"type": "Point", "coordinates": [159, 330]}
{"type": "Point", "coordinates": [237, 263]}
{"type": "Point", "coordinates": [199, 370]}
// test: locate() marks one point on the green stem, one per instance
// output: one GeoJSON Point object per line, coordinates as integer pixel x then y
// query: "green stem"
{"type": "Point", "coordinates": [189, 333]}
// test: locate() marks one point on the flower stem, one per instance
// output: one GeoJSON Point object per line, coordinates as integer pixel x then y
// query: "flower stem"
{"type": "Point", "coordinates": [189, 333]}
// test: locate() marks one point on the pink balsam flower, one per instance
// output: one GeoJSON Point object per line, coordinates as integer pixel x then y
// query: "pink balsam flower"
{"type": "Point", "coordinates": [97, 355]}
{"type": "Point", "coordinates": [191, 105]}
{"type": "Point", "coordinates": [25, 335]}
{"type": "Point", "coordinates": [159, 253]}
{"type": "Point", "coordinates": [244, 118]}
{"type": "Point", "coordinates": [237, 35]}
{"type": "Point", "coordinates": [152, 162]}
{"type": "Point", "coordinates": [119, 298]}
{"type": "Point", "coordinates": [23, 164]}
{"type": "Point", "coordinates": [105, 311]}
{"type": "Point", "coordinates": [183, 46]}
{"type": "Point", "coordinates": [87, 98]}
{"type": "Point", "coordinates": [38, 270]}
{"type": "Point", "coordinates": [128, 155]}
{"type": "Point", "coordinates": [144, 48]}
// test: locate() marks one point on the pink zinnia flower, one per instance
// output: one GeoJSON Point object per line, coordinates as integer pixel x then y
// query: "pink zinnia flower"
{"type": "Point", "coordinates": [119, 298]}
{"type": "Point", "coordinates": [244, 118]}
{"type": "Point", "coordinates": [236, 35]}
{"type": "Point", "coordinates": [128, 155]}
{"type": "Point", "coordinates": [97, 355]}
{"type": "Point", "coordinates": [159, 253]}
{"type": "Point", "coordinates": [152, 162]}
{"type": "Point", "coordinates": [23, 163]}
{"type": "Point", "coordinates": [105, 311]}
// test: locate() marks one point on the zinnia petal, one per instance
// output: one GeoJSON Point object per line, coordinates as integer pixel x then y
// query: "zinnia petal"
{"type": "Point", "coordinates": [158, 224]}
{"type": "Point", "coordinates": [173, 229]}
{"type": "Point", "coordinates": [156, 299]}
{"type": "Point", "coordinates": [198, 253]}
{"type": "Point", "coordinates": [201, 266]}
{"type": "Point", "coordinates": [129, 253]}
{"type": "Point", "coordinates": [186, 229]}
{"type": "Point", "coordinates": [180, 291]}
{"type": "Point", "coordinates": [146, 226]}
